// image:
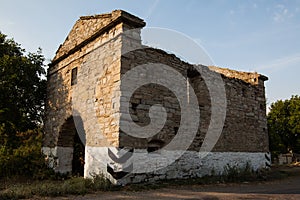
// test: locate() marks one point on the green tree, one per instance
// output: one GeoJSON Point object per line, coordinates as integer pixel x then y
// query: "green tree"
{"type": "Point", "coordinates": [284, 126]}
{"type": "Point", "coordinates": [22, 92]}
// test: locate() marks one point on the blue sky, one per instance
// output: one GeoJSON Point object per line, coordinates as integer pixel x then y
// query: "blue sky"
{"type": "Point", "coordinates": [262, 36]}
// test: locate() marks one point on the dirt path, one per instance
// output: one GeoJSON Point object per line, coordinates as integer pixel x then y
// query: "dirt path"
{"type": "Point", "coordinates": [281, 189]}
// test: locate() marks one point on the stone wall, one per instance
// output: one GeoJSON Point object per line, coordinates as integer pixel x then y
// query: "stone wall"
{"type": "Point", "coordinates": [245, 121]}
{"type": "Point", "coordinates": [246, 115]}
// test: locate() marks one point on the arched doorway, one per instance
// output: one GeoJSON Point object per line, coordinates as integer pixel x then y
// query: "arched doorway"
{"type": "Point", "coordinates": [71, 149]}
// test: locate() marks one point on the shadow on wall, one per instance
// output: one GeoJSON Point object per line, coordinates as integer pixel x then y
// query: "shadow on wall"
{"type": "Point", "coordinates": [62, 126]}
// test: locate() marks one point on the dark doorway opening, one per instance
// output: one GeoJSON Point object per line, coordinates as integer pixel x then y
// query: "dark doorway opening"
{"type": "Point", "coordinates": [68, 137]}
{"type": "Point", "coordinates": [78, 157]}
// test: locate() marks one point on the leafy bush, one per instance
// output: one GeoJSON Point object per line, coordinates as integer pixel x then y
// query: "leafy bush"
{"type": "Point", "coordinates": [237, 173]}
{"type": "Point", "coordinates": [25, 160]}
{"type": "Point", "coordinates": [240, 173]}
{"type": "Point", "coordinates": [284, 127]}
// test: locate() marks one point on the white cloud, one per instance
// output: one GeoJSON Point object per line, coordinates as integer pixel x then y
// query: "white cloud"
{"type": "Point", "coordinates": [280, 63]}
{"type": "Point", "coordinates": [281, 13]}
{"type": "Point", "coordinates": [151, 9]}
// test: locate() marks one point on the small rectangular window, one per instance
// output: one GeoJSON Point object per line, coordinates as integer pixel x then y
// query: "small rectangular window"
{"type": "Point", "coordinates": [74, 76]}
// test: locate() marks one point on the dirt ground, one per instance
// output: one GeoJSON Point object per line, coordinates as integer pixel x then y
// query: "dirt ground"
{"type": "Point", "coordinates": [287, 188]}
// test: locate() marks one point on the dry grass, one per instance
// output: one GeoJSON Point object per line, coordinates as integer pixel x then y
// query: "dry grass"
{"type": "Point", "coordinates": [12, 189]}
{"type": "Point", "coordinates": [296, 164]}
{"type": "Point", "coordinates": [20, 188]}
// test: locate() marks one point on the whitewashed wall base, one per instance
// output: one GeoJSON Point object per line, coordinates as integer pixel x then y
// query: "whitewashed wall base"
{"type": "Point", "coordinates": [191, 164]}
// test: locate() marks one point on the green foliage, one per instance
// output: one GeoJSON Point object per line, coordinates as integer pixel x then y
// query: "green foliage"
{"type": "Point", "coordinates": [237, 173]}
{"type": "Point", "coordinates": [284, 126]}
{"type": "Point", "coordinates": [27, 159]}
{"type": "Point", "coordinates": [22, 92]}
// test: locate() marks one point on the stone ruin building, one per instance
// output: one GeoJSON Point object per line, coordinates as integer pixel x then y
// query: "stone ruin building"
{"type": "Point", "coordinates": [85, 108]}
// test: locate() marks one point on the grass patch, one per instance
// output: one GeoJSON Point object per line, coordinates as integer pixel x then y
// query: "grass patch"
{"type": "Point", "coordinates": [53, 188]}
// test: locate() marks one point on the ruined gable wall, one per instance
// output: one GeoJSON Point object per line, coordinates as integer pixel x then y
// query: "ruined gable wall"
{"type": "Point", "coordinates": [245, 115]}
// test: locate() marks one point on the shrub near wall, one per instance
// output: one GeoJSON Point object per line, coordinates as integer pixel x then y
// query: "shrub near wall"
{"type": "Point", "coordinates": [26, 159]}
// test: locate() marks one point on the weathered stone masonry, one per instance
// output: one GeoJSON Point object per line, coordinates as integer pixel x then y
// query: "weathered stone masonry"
{"type": "Point", "coordinates": [85, 92]}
